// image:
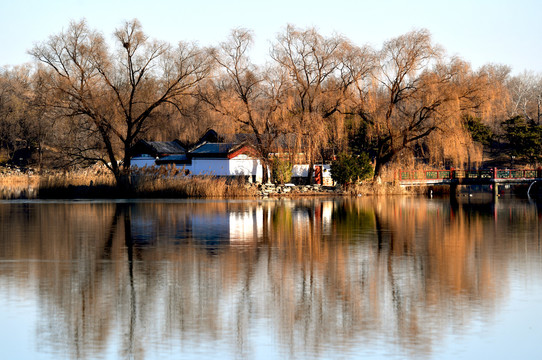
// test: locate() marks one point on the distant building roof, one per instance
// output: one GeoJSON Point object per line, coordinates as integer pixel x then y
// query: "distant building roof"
{"type": "Point", "coordinates": [213, 148]}
{"type": "Point", "coordinates": [223, 150]}
{"type": "Point", "coordinates": [210, 136]}
{"type": "Point", "coordinates": [173, 159]}
{"type": "Point", "coordinates": [158, 148]}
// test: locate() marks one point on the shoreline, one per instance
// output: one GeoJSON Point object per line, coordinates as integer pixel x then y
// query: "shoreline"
{"type": "Point", "coordinates": [83, 185]}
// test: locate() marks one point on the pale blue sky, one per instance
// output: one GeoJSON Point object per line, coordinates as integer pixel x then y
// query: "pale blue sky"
{"type": "Point", "coordinates": [488, 31]}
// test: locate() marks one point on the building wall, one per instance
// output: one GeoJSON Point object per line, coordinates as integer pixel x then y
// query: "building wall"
{"type": "Point", "coordinates": [238, 166]}
{"type": "Point", "coordinates": [241, 165]}
{"type": "Point", "coordinates": [246, 167]}
{"type": "Point", "coordinates": [143, 161]}
{"type": "Point", "coordinates": [299, 172]}
{"type": "Point", "coordinates": [217, 167]}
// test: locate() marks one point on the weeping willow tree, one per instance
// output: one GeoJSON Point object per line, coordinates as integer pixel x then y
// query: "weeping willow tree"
{"type": "Point", "coordinates": [416, 100]}
{"type": "Point", "coordinates": [320, 72]}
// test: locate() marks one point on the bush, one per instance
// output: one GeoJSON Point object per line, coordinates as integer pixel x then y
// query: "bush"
{"type": "Point", "coordinates": [282, 171]}
{"type": "Point", "coordinates": [524, 138]}
{"type": "Point", "coordinates": [478, 131]}
{"type": "Point", "coordinates": [349, 169]}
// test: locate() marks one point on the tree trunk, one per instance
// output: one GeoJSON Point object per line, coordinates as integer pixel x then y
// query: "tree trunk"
{"type": "Point", "coordinates": [265, 177]}
{"type": "Point", "coordinates": [310, 177]}
{"type": "Point", "coordinates": [378, 168]}
{"type": "Point", "coordinates": [310, 172]}
{"type": "Point", "coordinates": [124, 182]}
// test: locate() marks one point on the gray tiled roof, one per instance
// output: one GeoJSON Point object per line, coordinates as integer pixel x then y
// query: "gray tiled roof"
{"type": "Point", "coordinates": [214, 148]}
{"type": "Point", "coordinates": [180, 158]}
{"type": "Point", "coordinates": [166, 147]}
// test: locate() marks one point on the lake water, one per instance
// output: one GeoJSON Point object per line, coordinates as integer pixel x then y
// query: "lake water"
{"type": "Point", "coordinates": [365, 278]}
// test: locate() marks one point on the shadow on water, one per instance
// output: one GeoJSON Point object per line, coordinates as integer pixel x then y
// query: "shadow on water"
{"type": "Point", "coordinates": [320, 277]}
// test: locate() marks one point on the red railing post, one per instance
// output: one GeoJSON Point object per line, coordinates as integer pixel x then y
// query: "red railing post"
{"type": "Point", "coordinates": [494, 173]}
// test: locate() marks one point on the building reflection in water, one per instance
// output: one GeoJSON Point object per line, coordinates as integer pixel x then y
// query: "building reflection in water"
{"type": "Point", "coordinates": [307, 277]}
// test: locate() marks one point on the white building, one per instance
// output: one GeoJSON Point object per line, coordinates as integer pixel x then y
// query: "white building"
{"type": "Point", "coordinates": [216, 159]}
{"type": "Point", "coordinates": [226, 159]}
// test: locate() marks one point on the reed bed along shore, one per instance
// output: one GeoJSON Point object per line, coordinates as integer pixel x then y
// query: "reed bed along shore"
{"type": "Point", "coordinates": [103, 185]}
{"type": "Point", "coordinates": [161, 183]}
{"type": "Point", "coordinates": [16, 185]}
{"type": "Point", "coordinates": [192, 187]}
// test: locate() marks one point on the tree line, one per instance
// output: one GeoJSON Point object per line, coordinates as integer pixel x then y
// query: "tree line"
{"type": "Point", "coordinates": [317, 97]}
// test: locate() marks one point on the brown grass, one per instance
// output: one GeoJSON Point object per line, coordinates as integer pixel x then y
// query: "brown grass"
{"type": "Point", "coordinates": [99, 183]}
{"type": "Point", "coordinates": [388, 188]}
{"type": "Point", "coordinates": [18, 186]}
{"type": "Point", "coordinates": [18, 180]}
{"type": "Point", "coordinates": [171, 181]}
{"type": "Point", "coordinates": [62, 180]}
{"type": "Point", "coordinates": [147, 183]}
{"type": "Point", "coordinates": [81, 184]}
{"type": "Point", "coordinates": [164, 182]}
{"type": "Point", "coordinates": [193, 187]}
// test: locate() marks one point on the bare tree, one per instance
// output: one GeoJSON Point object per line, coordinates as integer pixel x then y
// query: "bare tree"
{"type": "Point", "coordinates": [22, 123]}
{"type": "Point", "coordinates": [526, 93]}
{"type": "Point", "coordinates": [9, 113]}
{"type": "Point", "coordinates": [110, 98]}
{"type": "Point", "coordinates": [310, 61]}
{"type": "Point", "coordinates": [245, 94]}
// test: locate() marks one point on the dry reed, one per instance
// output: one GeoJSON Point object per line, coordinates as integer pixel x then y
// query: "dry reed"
{"type": "Point", "coordinates": [165, 182]}
{"type": "Point", "coordinates": [373, 188]}
{"type": "Point", "coordinates": [18, 186]}
{"type": "Point", "coordinates": [172, 182]}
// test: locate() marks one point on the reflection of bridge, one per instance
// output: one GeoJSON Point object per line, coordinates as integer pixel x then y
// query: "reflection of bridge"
{"type": "Point", "coordinates": [468, 177]}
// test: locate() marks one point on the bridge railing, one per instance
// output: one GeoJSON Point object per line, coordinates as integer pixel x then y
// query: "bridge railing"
{"type": "Point", "coordinates": [516, 174]}
{"type": "Point", "coordinates": [424, 174]}
{"type": "Point", "coordinates": [472, 174]}
{"type": "Point", "coordinates": [432, 175]}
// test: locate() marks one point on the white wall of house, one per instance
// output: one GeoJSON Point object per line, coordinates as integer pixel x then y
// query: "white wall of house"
{"type": "Point", "coordinates": [241, 165]}
{"type": "Point", "coordinates": [302, 170]}
{"type": "Point", "coordinates": [142, 161]}
{"type": "Point", "coordinates": [208, 166]}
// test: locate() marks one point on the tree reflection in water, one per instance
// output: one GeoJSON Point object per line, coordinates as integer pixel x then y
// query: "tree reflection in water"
{"type": "Point", "coordinates": [313, 275]}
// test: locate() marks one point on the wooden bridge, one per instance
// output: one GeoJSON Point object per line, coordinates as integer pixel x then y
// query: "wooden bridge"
{"type": "Point", "coordinates": [455, 177]}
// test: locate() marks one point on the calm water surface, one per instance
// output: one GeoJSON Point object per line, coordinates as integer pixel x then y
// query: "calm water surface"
{"type": "Point", "coordinates": [340, 278]}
